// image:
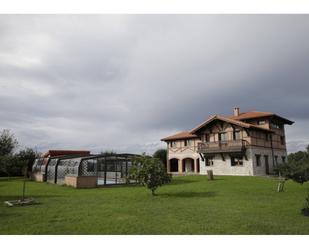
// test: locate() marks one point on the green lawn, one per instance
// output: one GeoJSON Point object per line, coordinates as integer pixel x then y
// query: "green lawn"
{"type": "Point", "coordinates": [189, 205]}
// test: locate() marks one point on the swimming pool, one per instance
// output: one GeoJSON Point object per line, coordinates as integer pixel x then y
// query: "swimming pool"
{"type": "Point", "coordinates": [110, 181]}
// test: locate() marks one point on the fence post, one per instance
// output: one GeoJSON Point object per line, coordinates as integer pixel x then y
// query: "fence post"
{"type": "Point", "coordinates": [210, 175]}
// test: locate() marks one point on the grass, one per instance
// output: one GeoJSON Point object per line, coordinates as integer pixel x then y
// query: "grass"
{"type": "Point", "coordinates": [189, 205]}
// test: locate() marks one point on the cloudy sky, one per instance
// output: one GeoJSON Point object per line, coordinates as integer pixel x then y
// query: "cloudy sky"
{"type": "Point", "coordinates": [122, 82]}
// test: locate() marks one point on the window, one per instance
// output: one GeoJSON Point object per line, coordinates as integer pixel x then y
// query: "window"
{"type": "Point", "coordinates": [207, 137]}
{"type": "Point", "coordinates": [223, 136]}
{"type": "Point", "coordinates": [236, 135]}
{"type": "Point", "coordinates": [261, 122]}
{"type": "Point", "coordinates": [209, 161]}
{"type": "Point", "coordinates": [276, 160]}
{"type": "Point", "coordinates": [236, 160]}
{"type": "Point", "coordinates": [188, 142]}
{"type": "Point", "coordinates": [173, 144]}
{"type": "Point", "coordinates": [258, 160]}
{"type": "Point", "coordinates": [275, 125]}
{"type": "Point", "coordinates": [283, 159]}
{"type": "Point", "coordinates": [282, 140]}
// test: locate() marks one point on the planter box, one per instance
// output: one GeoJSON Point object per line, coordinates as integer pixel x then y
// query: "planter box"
{"type": "Point", "coordinates": [38, 177]}
{"type": "Point", "coordinates": [81, 181]}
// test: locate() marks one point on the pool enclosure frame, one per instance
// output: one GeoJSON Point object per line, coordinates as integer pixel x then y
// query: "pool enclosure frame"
{"type": "Point", "coordinates": [86, 171]}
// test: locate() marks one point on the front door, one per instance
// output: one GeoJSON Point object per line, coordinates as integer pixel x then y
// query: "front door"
{"type": "Point", "coordinates": [266, 165]}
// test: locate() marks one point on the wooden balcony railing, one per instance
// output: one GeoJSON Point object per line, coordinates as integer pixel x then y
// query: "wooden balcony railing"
{"type": "Point", "coordinates": [222, 146]}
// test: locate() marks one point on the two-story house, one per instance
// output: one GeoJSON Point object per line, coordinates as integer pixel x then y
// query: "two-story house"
{"type": "Point", "coordinates": [248, 143]}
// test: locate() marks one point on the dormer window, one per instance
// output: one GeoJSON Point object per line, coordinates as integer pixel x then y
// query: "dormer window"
{"type": "Point", "coordinates": [236, 135]}
{"type": "Point", "coordinates": [188, 142]}
{"type": "Point", "coordinates": [275, 125]}
{"type": "Point", "coordinates": [223, 136]}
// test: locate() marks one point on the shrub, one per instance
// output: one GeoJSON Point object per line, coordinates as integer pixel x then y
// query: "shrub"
{"type": "Point", "coordinates": [149, 172]}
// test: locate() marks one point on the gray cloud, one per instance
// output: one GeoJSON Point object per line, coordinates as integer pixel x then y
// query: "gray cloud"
{"type": "Point", "coordinates": [123, 82]}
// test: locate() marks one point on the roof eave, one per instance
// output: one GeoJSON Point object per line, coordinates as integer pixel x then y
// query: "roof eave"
{"type": "Point", "coordinates": [286, 121]}
{"type": "Point", "coordinates": [178, 138]}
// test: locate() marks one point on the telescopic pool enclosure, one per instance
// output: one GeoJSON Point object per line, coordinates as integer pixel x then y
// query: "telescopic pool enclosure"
{"type": "Point", "coordinates": [84, 171]}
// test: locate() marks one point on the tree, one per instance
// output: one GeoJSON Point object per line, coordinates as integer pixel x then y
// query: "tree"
{"type": "Point", "coordinates": [161, 154]}
{"type": "Point", "coordinates": [108, 153]}
{"type": "Point", "coordinates": [8, 143]}
{"type": "Point", "coordinates": [297, 169]}
{"type": "Point", "coordinates": [27, 157]}
{"type": "Point", "coordinates": [12, 164]}
{"type": "Point", "coordinates": [150, 172]}
{"type": "Point", "coordinates": [297, 166]}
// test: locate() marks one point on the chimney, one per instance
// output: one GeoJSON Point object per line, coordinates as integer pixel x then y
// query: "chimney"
{"type": "Point", "coordinates": [236, 111]}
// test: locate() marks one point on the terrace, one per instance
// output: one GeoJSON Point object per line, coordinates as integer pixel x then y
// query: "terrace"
{"type": "Point", "coordinates": [229, 146]}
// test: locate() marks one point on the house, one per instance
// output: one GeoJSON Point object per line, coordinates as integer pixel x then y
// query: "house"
{"type": "Point", "coordinates": [247, 143]}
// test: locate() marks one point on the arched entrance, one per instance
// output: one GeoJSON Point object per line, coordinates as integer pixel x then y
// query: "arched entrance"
{"type": "Point", "coordinates": [188, 165]}
{"type": "Point", "coordinates": [174, 165]}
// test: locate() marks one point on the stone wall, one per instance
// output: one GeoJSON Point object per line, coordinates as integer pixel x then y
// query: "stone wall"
{"type": "Point", "coordinates": [261, 170]}
{"type": "Point", "coordinates": [249, 166]}
{"type": "Point", "coordinates": [221, 167]}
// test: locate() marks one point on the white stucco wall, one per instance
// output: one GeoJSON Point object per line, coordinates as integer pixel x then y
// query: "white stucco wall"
{"type": "Point", "coordinates": [183, 153]}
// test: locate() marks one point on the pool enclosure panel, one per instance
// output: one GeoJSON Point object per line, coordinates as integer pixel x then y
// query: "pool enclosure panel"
{"type": "Point", "coordinates": [67, 167]}
{"type": "Point", "coordinates": [108, 169]}
{"type": "Point", "coordinates": [40, 166]}
{"type": "Point", "coordinates": [51, 170]}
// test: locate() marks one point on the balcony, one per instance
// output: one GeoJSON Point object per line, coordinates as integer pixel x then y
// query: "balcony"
{"type": "Point", "coordinates": [230, 146]}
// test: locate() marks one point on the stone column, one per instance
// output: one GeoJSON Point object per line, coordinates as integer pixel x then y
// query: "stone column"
{"type": "Point", "coordinates": [180, 166]}
{"type": "Point", "coordinates": [195, 165]}
{"type": "Point", "coordinates": [168, 165]}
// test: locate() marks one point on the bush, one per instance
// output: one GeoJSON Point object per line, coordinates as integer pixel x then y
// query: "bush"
{"type": "Point", "coordinates": [149, 172]}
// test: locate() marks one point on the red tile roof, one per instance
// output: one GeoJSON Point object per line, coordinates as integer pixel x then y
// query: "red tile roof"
{"type": "Point", "coordinates": [237, 120]}
{"type": "Point", "coordinates": [66, 152]}
{"type": "Point", "coordinates": [179, 135]}
{"type": "Point", "coordinates": [251, 114]}
{"type": "Point", "coordinates": [228, 120]}
{"type": "Point", "coordinates": [256, 114]}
